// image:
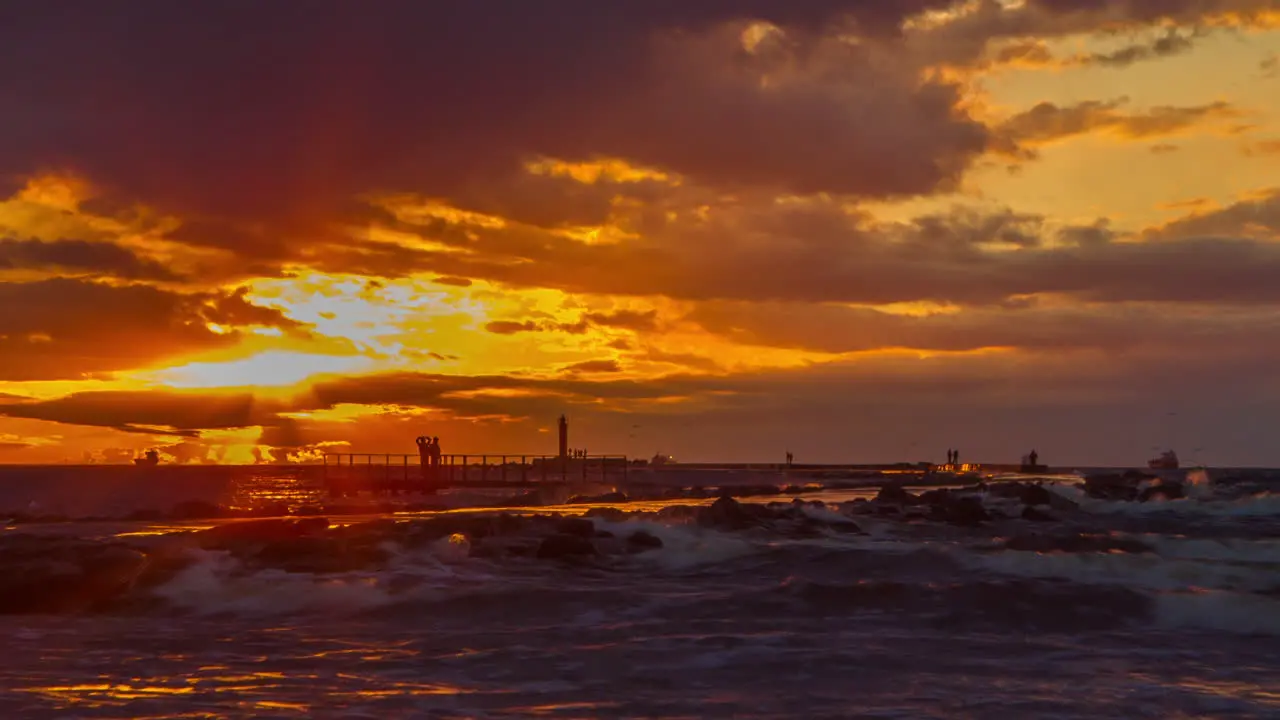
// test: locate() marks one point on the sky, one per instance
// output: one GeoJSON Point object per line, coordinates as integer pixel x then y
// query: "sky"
{"type": "Point", "coordinates": [856, 230]}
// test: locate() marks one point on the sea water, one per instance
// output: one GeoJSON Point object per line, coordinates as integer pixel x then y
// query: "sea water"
{"type": "Point", "coordinates": [909, 619]}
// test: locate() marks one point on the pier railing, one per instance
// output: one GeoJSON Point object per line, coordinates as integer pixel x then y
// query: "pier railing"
{"type": "Point", "coordinates": [408, 472]}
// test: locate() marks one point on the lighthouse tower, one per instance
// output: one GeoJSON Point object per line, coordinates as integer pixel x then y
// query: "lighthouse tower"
{"type": "Point", "coordinates": [564, 437]}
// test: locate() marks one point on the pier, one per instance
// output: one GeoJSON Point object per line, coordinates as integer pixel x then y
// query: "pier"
{"type": "Point", "coordinates": [401, 473]}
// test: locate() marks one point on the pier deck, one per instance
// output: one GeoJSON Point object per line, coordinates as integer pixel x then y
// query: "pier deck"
{"type": "Point", "coordinates": [395, 473]}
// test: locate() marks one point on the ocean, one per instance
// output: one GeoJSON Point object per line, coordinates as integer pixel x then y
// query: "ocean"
{"type": "Point", "coordinates": [1005, 600]}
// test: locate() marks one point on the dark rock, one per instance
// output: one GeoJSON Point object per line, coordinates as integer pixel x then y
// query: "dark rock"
{"type": "Point", "coordinates": [260, 531]}
{"type": "Point", "coordinates": [728, 514]}
{"type": "Point", "coordinates": [962, 511]}
{"type": "Point", "coordinates": [1025, 492]}
{"type": "Point", "coordinates": [554, 547]}
{"type": "Point", "coordinates": [576, 526]}
{"type": "Point", "coordinates": [60, 575]}
{"type": "Point", "coordinates": [1034, 515]}
{"type": "Point", "coordinates": [608, 513]}
{"type": "Point", "coordinates": [896, 494]}
{"type": "Point", "coordinates": [613, 497]}
{"type": "Point", "coordinates": [1167, 490]}
{"type": "Point", "coordinates": [642, 540]}
{"type": "Point", "coordinates": [1113, 487]}
{"type": "Point", "coordinates": [1035, 495]}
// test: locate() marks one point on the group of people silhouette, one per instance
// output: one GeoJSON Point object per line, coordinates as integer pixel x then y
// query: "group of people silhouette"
{"type": "Point", "coordinates": [953, 457]}
{"type": "Point", "coordinates": [429, 450]}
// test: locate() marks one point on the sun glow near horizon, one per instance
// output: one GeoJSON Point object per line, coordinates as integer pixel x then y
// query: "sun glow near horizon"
{"type": "Point", "coordinates": [1049, 205]}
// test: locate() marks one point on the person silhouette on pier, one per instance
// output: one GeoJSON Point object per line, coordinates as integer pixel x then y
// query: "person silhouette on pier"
{"type": "Point", "coordinates": [1033, 457]}
{"type": "Point", "coordinates": [435, 451]}
{"type": "Point", "coordinates": [790, 457]}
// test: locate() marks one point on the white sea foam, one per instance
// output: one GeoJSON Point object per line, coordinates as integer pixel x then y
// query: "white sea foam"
{"type": "Point", "coordinates": [684, 546]}
{"type": "Point", "coordinates": [1201, 501]}
{"type": "Point", "coordinates": [1141, 571]}
{"type": "Point", "coordinates": [215, 583]}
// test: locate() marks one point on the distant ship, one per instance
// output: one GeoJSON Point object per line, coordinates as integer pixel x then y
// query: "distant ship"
{"type": "Point", "coordinates": [150, 459]}
{"type": "Point", "coordinates": [1168, 460]}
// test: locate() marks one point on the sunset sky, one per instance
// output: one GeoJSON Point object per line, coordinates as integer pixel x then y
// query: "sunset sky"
{"type": "Point", "coordinates": [857, 230]}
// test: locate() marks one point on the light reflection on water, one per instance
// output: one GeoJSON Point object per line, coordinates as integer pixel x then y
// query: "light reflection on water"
{"type": "Point", "coordinates": [731, 666]}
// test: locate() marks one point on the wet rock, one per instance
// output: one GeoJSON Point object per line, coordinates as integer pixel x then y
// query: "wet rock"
{"type": "Point", "coordinates": [260, 531]}
{"type": "Point", "coordinates": [59, 575]}
{"type": "Point", "coordinates": [580, 527]}
{"type": "Point", "coordinates": [1031, 513]}
{"type": "Point", "coordinates": [1112, 486]}
{"type": "Point", "coordinates": [613, 497]}
{"type": "Point", "coordinates": [642, 540]}
{"type": "Point", "coordinates": [962, 511]}
{"type": "Point", "coordinates": [729, 514]}
{"type": "Point", "coordinates": [555, 547]}
{"type": "Point", "coordinates": [1033, 495]}
{"type": "Point", "coordinates": [896, 494]}
{"type": "Point", "coordinates": [1026, 493]}
{"type": "Point", "coordinates": [1166, 491]}
{"type": "Point", "coordinates": [607, 513]}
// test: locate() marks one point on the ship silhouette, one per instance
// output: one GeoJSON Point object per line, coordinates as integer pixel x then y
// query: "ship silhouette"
{"type": "Point", "coordinates": [150, 459]}
{"type": "Point", "coordinates": [1168, 460]}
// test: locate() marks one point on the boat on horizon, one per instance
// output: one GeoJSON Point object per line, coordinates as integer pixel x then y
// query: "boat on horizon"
{"type": "Point", "coordinates": [1168, 460]}
{"type": "Point", "coordinates": [150, 459]}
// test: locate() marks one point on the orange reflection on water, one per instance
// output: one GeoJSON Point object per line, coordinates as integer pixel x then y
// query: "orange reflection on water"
{"type": "Point", "coordinates": [395, 689]}
{"type": "Point", "coordinates": [1257, 694]}
{"type": "Point", "coordinates": [561, 707]}
{"type": "Point", "coordinates": [105, 694]}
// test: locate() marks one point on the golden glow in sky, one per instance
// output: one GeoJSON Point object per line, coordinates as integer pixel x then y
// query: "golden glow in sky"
{"type": "Point", "coordinates": [713, 239]}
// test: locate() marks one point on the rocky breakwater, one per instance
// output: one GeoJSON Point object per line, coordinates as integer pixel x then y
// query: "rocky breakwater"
{"type": "Point", "coordinates": [967, 507]}
{"type": "Point", "coordinates": [64, 574]}
{"type": "Point", "coordinates": [1132, 486]}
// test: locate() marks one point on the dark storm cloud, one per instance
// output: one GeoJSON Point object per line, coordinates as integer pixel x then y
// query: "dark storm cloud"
{"type": "Point", "coordinates": [1113, 328]}
{"type": "Point", "coordinates": [1256, 217]}
{"type": "Point", "coordinates": [621, 319]}
{"type": "Point", "coordinates": [79, 257]}
{"type": "Point", "coordinates": [818, 252]}
{"type": "Point", "coordinates": [1047, 122]}
{"type": "Point", "coordinates": [65, 329]}
{"type": "Point", "coordinates": [864, 410]}
{"type": "Point", "coordinates": [157, 412]}
{"type": "Point", "coordinates": [281, 111]}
